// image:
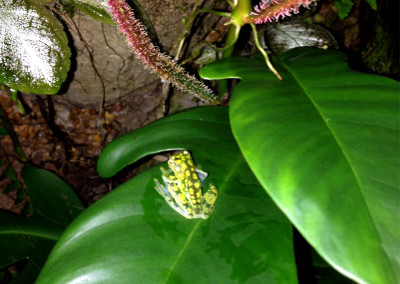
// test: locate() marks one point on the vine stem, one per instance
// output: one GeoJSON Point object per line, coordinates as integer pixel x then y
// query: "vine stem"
{"type": "Point", "coordinates": [189, 23]}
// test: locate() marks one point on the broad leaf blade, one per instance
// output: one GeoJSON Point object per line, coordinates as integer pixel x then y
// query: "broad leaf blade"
{"type": "Point", "coordinates": [324, 144]}
{"type": "Point", "coordinates": [205, 128]}
{"type": "Point", "coordinates": [33, 48]}
{"type": "Point", "coordinates": [55, 205]}
{"type": "Point", "coordinates": [288, 35]}
{"type": "Point", "coordinates": [23, 237]}
{"type": "Point", "coordinates": [51, 197]}
{"type": "Point", "coordinates": [133, 236]}
{"type": "Point", "coordinates": [97, 9]}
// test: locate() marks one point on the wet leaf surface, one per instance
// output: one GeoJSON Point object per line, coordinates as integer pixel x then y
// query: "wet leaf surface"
{"type": "Point", "coordinates": [33, 48]}
{"type": "Point", "coordinates": [324, 144]}
{"type": "Point", "coordinates": [288, 35]}
{"type": "Point", "coordinates": [133, 236]}
{"type": "Point", "coordinates": [97, 9]}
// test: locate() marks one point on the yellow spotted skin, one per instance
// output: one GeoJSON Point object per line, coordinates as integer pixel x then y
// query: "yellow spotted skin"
{"type": "Point", "coordinates": [182, 188]}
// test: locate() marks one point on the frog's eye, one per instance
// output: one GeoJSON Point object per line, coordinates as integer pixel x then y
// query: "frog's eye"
{"type": "Point", "coordinates": [172, 161]}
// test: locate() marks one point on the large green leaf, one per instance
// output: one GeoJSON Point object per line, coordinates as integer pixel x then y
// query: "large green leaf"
{"type": "Point", "coordinates": [133, 236]}
{"type": "Point", "coordinates": [285, 36]}
{"type": "Point", "coordinates": [97, 9]}
{"type": "Point", "coordinates": [50, 196]}
{"type": "Point", "coordinates": [205, 129]}
{"type": "Point", "coordinates": [34, 55]}
{"type": "Point", "coordinates": [324, 143]}
{"type": "Point", "coordinates": [31, 238]}
{"type": "Point", "coordinates": [26, 239]}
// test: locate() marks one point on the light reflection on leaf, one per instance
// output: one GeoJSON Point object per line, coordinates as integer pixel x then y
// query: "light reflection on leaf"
{"type": "Point", "coordinates": [97, 9]}
{"type": "Point", "coordinates": [33, 48]}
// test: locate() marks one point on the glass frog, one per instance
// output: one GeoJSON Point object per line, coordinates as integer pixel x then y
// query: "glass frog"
{"type": "Point", "coordinates": [182, 188]}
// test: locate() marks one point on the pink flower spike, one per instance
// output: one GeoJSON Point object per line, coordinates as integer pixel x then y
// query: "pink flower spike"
{"type": "Point", "coordinates": [151, 56]}
{"type": "Point", "coordinates": [267, 11]}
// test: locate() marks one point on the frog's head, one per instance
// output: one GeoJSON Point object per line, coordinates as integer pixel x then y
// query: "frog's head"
{"type": "Point", "coordinates": [177, 160]}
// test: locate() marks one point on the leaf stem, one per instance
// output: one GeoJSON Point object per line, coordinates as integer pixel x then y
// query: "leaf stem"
{"type": "Point", "coordinates": [263, 52]}
{"type": "Point", "coordinates": [230, 41]}
{"type": "Point", "coordinates": [14, 138]}
{"type": "Point", "coordinates": [189, 23]}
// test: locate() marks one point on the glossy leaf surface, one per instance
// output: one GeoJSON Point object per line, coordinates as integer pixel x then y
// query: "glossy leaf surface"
{"type": "Point", "coordinates": [133, 236]}
{"type": "Point", "coordinates": [55, 205]}
{"type": "Point", "coordinates": [288, 35]}
{"type": "Point", "coordinates": [97, 9]}
{"type": "Point", "coordinates": [324, 143]}
{"type": "Point", "coordinates": [50, 196]}
{"type": "Point", "coordinates": [34, 55]}
{"type": "Point", "coordinates": [29, 239]}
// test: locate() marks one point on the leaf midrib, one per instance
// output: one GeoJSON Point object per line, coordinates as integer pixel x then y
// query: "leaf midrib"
{"type": "Point", "coordinates": [324, 119]}
{"type": "Point", "coordinates": [234, 167]}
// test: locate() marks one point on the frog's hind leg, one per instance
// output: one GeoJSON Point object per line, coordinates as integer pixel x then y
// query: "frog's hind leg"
{"type": "Point", "coordinates": [209, 199]}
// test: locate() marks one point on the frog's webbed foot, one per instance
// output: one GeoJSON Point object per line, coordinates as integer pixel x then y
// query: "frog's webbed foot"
{"type": "Point", "coordinates": [209, 199]}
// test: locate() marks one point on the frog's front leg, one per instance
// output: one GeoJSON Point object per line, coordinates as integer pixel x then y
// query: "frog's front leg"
{"type": "Point", "coordinates": [168, 176]}
{"type": "Point", "coordinates": [171, 200]}
{"type": "Point", "coordinates": [208, 202]}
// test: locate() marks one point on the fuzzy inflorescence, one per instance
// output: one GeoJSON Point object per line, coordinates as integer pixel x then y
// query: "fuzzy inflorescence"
{"type": "Point", "coordinates": [273, 10]}
{"type": "Point", "coordinates": [166, 68]}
